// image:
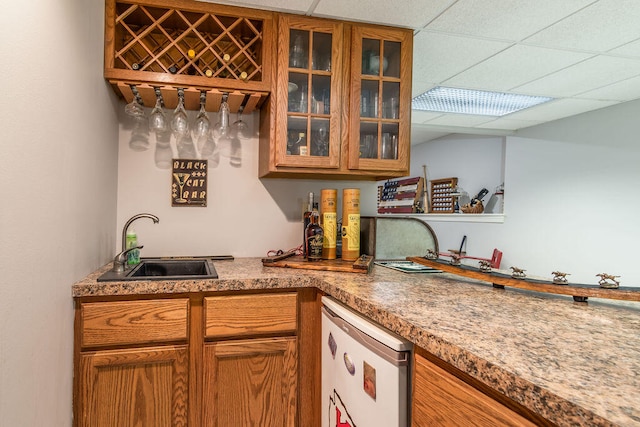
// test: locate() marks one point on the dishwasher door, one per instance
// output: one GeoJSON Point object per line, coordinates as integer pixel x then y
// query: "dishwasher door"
{"type": "Point", "coordinates": [365, 371]}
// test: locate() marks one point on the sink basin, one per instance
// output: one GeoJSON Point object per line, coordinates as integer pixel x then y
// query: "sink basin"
{"type": "Point", "coordinates": [165, 269]}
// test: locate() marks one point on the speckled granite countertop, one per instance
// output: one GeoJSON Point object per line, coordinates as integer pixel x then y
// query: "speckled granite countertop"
{"type": "Point", "coordinates": [573, 363]}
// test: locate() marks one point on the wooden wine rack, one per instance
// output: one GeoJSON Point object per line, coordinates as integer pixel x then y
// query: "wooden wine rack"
{"type": "Point", "coordinates": [197, 46]}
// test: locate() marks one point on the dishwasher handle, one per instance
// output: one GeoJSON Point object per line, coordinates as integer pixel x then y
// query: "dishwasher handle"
{"type": "Point", "coordinates": [397, 358]}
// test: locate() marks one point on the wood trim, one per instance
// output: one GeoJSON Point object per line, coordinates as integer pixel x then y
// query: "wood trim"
{"type": "Point", "coordinates": [309, 356]}
{"type": "Point", "coordinates": [196, 343]}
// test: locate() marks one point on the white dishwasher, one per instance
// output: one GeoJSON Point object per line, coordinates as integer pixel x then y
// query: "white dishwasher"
{"type": "Point", "coordinates": [365, 371]}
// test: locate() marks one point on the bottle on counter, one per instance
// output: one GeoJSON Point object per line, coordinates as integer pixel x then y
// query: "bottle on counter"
{"type": "Point", "coordinates": [306, 219]}
{"type": "Point", "coordinates": [350, 224]}
{"type": "Point", "coordinates": [314, 236]}
{"type": "Point", "coordinates": [328, 200]}
{"type": "Point", "coordinates": [133, 257]}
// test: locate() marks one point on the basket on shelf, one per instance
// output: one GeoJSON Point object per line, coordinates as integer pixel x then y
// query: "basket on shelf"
{"type": "Point", "coordinates": [475, 209]}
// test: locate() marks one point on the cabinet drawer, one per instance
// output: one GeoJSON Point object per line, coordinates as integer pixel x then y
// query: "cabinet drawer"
{"type": "Point", "coordinates": [133, 322]}
{"type": "Point", "coordinates": [243, 315]}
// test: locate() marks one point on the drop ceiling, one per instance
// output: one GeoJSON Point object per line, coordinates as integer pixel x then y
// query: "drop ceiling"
{"type": "Point", "coordinates": [583, 53]}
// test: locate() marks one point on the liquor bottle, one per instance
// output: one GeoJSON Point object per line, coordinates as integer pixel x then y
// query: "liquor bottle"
{"type": "Point", "coordinates": [306, 219]}
{"type": "Point", "coordinates": [314, 236]}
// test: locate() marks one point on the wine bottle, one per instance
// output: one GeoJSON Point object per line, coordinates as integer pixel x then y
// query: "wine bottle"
{"type": "Point", "coordinates": [314, 236]}
{"type": "Point", "coordinates": [306, 219]}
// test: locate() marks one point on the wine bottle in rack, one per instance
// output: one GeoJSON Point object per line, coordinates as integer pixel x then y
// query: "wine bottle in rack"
{"type": "Point", "coordinates": [191, 54]}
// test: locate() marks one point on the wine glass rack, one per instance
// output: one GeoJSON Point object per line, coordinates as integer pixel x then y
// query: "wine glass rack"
{"type": "Point", "coordinates": [195, 46]}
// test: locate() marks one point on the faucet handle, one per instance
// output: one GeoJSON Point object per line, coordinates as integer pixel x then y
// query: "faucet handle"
{"type": "Point", "coordinates": [120, 259]}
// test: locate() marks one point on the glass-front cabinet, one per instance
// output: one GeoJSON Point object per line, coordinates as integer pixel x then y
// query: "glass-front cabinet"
{"type": "Point", "coordinates": [380, 99]}
{"type": "Point", "coordinates": [308, 111]}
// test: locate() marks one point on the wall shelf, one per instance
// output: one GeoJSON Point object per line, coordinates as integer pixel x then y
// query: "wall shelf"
{"type": "Point", "coordinates": [486, 218]}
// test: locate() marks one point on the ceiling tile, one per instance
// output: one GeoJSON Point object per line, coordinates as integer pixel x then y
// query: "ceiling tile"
{"type": "Point", "coordinates": [625, 90]}
{"type": "Point", "coordinates": [503, 123]}
{"type": "Point", "coordinates": [437, 57]}
{"type": "Point", "coordinates": [558, 109]}
{"type": "Point", "coordinates": [504, 19]}
{"type": "Point", "coordinates": [588, 75]}
{"type": "Point", "coordinates": [420, 134]}
{"type": "Point", "coordinates": [466, 120]}
{"type": "Point", "coordinates": [602, 26]}
{"type": "Point", "coordinates": [515, 66]}
{"type": "Point", "coordinates": [405, 13]}
{"type": "Point", "coordinates": [629, 49]}
{"type": "Point", "coordinates": [418, 116]}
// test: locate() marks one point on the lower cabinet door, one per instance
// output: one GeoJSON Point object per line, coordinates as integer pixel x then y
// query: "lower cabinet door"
{"type": "Point", "coordinates": [135, 387]}
{"type": "Point", "coordinates": [250, 382]}
{"type": "Point", "coordinates": [441, 399]}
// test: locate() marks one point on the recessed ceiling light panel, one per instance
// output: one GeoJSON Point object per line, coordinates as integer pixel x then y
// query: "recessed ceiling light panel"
{"type": "Point", "coordinates": [467, 101]}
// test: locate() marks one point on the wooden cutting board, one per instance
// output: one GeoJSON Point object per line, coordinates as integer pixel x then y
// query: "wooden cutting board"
{"type": "Point", "coordinates": [361, 265]}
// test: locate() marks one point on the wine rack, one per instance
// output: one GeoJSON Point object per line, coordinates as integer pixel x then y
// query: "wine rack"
{"type": "Point", "coordinates": [191, 45]}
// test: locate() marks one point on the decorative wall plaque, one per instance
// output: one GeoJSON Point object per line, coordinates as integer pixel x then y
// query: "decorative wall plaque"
{"type": "Point", "coordinates": [189, 183]}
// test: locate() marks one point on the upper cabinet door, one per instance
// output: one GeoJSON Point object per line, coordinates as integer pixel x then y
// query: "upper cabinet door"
{"type": "Point", "coordinates": [380, 98]}
{"type": "Point", "coordinates": [308, 89]}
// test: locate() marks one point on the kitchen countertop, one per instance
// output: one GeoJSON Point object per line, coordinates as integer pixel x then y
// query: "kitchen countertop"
{"type": "Point", "coordinates": [573, 363]}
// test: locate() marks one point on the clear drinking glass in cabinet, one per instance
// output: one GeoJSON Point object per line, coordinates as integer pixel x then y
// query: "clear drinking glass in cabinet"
{"type": "Point", "coordinates": [321, 54]}
{"type": "Point", "coordinates": [320, 133]}
{"type": "Point", "coordinates": [299, 49]}
{"type": "Point", "coordinates": [298, 101]}
{"type": "Point", "coordinates": [390, 100]}
{"type": "Point", "coordinates": [389, 143]}
{"type": "Point", "coordinates": [369, 99]}
{"type": "Point", "coordinates": [321, 95]}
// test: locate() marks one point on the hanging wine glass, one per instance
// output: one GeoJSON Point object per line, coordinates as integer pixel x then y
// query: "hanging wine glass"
{"type": "Point", "coordinates": [202, 124]}
{"type": "Point", "coordinates": [222, 130]}
{"type": "Point", "coordinates": [134, 108]}
{"type": "Point", "coordinates": [240, 127]}
{"type": "Point", "coordinates": [158, 119]}
{"type": "Point", "coordinates": [180, 123]}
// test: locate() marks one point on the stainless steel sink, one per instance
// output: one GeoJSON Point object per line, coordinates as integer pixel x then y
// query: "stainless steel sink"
{"type": "Point", "coordinates": [166, 269]}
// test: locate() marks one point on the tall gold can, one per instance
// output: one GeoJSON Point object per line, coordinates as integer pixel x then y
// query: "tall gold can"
{"type": "Point", "coordinates": [328, 206]}
{"type": "Point", "coordinates": [350, 224]}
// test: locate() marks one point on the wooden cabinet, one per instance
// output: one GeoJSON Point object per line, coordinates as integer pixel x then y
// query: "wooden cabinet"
{"type": "Point", "coordinates": [136, 387]}
{"type": "Point", "coordinates": [200, 47]}
{"type": "Point", "coordinates": [330, 117]}
{"type": "Point", "coordinates": [440, 398]}
{"type": "Point", "coordinates": [380, 99]}
{"type": "Point", "coordinates": [251, 382]}
{"type": "Point", "coordinates": [205, 360]}
{"type": "Point", "coordinates": [142, 383]}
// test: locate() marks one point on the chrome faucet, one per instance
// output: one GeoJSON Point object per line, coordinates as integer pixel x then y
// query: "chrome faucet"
{"type": "Point", "coordinates": [120, 260]}
{"type": "Point", "coordinates": [128, 223]}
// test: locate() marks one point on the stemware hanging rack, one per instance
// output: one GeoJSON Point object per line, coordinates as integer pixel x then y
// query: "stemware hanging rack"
{"type": "Point", "coordinates": [248, 101]}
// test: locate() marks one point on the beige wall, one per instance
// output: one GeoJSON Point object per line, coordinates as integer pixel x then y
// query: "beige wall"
{"type": "Point", "coordinates": [58, 196]}
{"type": "Point", "coordinates": [245, 216]}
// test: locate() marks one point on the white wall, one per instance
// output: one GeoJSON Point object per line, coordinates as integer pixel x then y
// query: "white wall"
{"type": "Point", "coordinates": [245, 216]}
{"type": "Point", "coordinates": [57, 214]}
{"type": "Point", "coordinates": [570, 201]}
